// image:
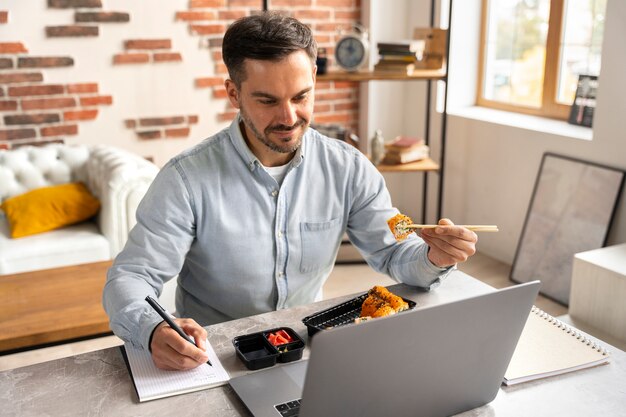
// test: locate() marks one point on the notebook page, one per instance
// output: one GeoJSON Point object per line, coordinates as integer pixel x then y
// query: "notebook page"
{"type": "Point", "coordinates": [152, 382]}
{"type": "Point", "coordinates": [548, 347]}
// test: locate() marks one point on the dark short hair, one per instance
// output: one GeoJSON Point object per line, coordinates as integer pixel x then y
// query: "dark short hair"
{"type": "Point", "coordinates": [268, 36]}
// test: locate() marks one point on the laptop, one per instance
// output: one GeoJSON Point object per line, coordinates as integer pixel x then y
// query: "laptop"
{"type": "Point", "coordinates": [432, 361]}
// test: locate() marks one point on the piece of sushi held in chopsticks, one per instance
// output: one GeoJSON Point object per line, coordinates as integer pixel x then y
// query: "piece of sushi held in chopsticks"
{"type": "Point", "coordinates": [402, 226]}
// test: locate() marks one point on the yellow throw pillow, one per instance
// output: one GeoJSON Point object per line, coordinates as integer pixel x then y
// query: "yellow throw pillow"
{"type": "Point", "coordinates": [49, 208]}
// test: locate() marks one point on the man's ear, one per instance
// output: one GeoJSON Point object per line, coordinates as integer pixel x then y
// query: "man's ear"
{"type": "Point", "coordinates": [232, 92]}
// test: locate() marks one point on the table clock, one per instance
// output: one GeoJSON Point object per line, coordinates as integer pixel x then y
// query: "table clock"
{"type": "Point", "coordinates": [352, 49]}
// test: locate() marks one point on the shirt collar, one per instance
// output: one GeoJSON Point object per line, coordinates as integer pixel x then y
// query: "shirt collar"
{"type": "Point", "coordinates": [246, 154]}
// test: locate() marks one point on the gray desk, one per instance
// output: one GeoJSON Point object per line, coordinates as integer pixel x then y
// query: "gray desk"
{"type": "Point", "coordinates": [98, 383]}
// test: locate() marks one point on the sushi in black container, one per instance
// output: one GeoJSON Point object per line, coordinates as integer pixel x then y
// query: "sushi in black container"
{"type": "Point", "coordinates": [339, 315]}
{"type": "Point", "coordinates": [256, 351]}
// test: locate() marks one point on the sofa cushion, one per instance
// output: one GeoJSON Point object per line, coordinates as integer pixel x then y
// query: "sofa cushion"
{"type": "Point", "coordinates": [49, 208]}
{"type": "Point", "coordinates": [77, 244]}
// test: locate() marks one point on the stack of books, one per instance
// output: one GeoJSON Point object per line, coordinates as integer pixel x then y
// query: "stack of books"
{"type": "Point", "coordinates": [399, 57]}
{"type": "Point", "coordinates": [404, 149]}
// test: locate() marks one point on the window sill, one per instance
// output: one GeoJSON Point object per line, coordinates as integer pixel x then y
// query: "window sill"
{"type": "Point", "coordinates": [523, 121]}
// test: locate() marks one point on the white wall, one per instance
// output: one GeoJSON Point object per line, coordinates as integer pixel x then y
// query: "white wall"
{"type": "Point", "coordinates": [491, 168]}
{"type": "Point", "coordinates": [134, 91]}
{"type": "Point", "coordinates": [396, 107]}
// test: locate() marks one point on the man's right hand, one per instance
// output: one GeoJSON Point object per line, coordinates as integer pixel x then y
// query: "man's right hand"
{"type": "Point", "coordinates": [172, 352]}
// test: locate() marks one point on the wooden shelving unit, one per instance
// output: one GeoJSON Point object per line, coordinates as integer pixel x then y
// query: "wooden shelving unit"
{"type": "Point", "coordinates": [359, 76]}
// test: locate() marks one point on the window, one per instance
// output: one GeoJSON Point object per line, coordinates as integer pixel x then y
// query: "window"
{"type": "Point", "coordinates": [534, 50]}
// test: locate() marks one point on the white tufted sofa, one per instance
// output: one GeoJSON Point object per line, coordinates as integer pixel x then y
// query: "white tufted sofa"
{"type": "Point", "coordinates": [119, 179]}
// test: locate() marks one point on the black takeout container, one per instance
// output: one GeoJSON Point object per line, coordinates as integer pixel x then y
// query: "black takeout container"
{"type": "Point", "coordinates": [339, 315]}
{"type": "Point", "coordinates": [256, 351]}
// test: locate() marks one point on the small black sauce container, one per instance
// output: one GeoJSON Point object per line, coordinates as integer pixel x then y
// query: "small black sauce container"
{"type": "Point", "coordinates": [256, 351]}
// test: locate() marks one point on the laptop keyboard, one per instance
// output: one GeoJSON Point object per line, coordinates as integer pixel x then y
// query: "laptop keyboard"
{"type": "Point", "coordinates": [289, 409]}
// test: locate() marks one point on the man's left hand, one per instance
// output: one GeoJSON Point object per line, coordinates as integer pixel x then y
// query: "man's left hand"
{"type": "Point", "coordinates": [449, 244]}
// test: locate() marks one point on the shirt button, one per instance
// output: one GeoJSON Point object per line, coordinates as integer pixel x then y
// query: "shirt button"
{"type": "Point", "coordinates": [280, 274]}
{"type": "Point", "coordinates": [280, 234]}
{"type": "Point", "coordinates": [274, 193]}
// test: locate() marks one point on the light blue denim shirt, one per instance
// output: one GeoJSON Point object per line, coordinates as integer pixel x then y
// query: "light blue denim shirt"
{"type": "Point", "coordinates": [243, 245]}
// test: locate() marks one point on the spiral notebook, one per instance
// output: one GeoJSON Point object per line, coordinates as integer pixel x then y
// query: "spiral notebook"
{"type": "Point", "coordinates": [550, 347]}
{"type": "Point", "coordinates": [152, 383]}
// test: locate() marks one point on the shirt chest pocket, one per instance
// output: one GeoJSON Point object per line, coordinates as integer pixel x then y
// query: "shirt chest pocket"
{"type": "Point", "coordinates": [320, 241]}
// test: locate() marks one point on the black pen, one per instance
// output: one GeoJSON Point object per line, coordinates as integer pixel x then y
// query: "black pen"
{"type": "Point", "coordinates": [157, 307]}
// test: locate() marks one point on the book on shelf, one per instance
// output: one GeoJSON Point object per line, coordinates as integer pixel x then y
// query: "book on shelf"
{"type": "Point", "coordinates": [548, 347]}
{"type": "Point", "coordinates": [404, 143]}
{"type": "Point", "coordinates": [403, 157]}
{"type": "Point", "coordinates": [404, 149]}
{"type": "Point", "coordinates": [403, 46]}
{"type": "Point", "coordinates": [394, 67]}
{"type": "Point", "coordinates": [152, 383]}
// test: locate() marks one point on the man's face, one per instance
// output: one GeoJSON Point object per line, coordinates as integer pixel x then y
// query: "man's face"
{"type": "Point", "coordinates": [276, 105]}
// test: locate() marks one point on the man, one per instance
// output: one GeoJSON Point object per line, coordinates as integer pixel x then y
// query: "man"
{"type": "Point", "coordinates": [251, 219]}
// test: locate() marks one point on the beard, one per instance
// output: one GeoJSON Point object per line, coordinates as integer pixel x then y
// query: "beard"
{"type": "Point", "coordinates": [264, 137]}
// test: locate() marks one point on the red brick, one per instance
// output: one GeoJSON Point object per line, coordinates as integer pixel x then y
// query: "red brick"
{"type": "Point", "coordinates": [333, 96]}
{"type": "Point", "coordinates": [333, 118]}
{"type": "Point", "coordinates": [181, 132]}
{"type": "Point", "coordinates": [36, 90]}
{"type": "Point", "coordinates": [289, 3]}
{"type": "Point", "coordinates": [216, 55]}
{"type": "Point", "coordinates": [220, 68]}
{"type": "Point", "coordinates": [31, 119]}
{"type": "Point", "coordinates": [148, 44]}
{"type": "Point", "coordinates": [194, 4]}
{"type": "Point", "coordinates": [312, 14]}
{"type": "Point", "coordinates": [331, 27]}
{"type": "Point", "coordinates": [4, 16]}
{"type": "Point", "coordinates": [71, 31]}
{"type": "Point", "coordinates": [4, 146]}
{"type": "Point", "coordinates": [220, 93]}
{"type": "Point", "coordinates": [44, 62]}
{"type": "Point", "coordinates": [80, 115]}
{"type": "Point", "coordinates": [244, 3]}
{"type": "Point", "coordinates": [130, 123]}
{"type": "Point", "coordinates": [215, 42]}
{"type": "Point", "coordinates": [345, 84]}
{"type": "Point", "coordinates": [59, 130]}
{"type": "Point", "coordinates": [227, 117]}
{"type": "Point", "coordinates": [207, 29]}
{"type": "Point", "coordinates": [12, 48]}
{"type": "Point", "coordinates": [96, 100]}
{"type": "Point", "coordinates": [209, 82]}
{"type": "Point", "coordinates": [149, 134]}
{"type": "Point", "coordinates": [167, 57]}
{"type": "Point", "coordinates": [68, 4]}
{"type": "Point", "coordinates": [36, 142]}
{"type": "Point", "coordinates": [161, 121]}
{"type": "Point", "coordinates": [346, 106]}
{"type": "Point", "coordinates": [122, 59]}
{"type": "Point", "coordinates": [322, 39]}
{"type": "Point", "coordinates": [82, 88]}
{"type": "Point", "coordinates": [322, 85]}
{"type": "Point", "coordinates": [321, 108]}
{"type": "Point", "coordinates": [195, 16]}
{"type": "Point", "coordinates": [12, 134]}
{"type": "Point", "coordinates": [21, 77]}
{"type": "Point", "coordinates": [348, 15]}
{"type": "Point", "coordinates": [336, 3]}
{"type": "Point", "coordinates": [6, 63]}
{"type": "Point", "coordinates": [231, 14]}
{"type": "Point", "coordinates": [192, 119]}
{"type": "Point", "coordinates": [8, 105]}
{"type": "Point", "coordinates": [102, 17]}
{"type": "Point", "coordinates": [48, 103]}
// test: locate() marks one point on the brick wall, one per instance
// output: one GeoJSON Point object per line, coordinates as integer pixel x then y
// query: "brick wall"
{"type": "Point", "coordinates": [41, 99]}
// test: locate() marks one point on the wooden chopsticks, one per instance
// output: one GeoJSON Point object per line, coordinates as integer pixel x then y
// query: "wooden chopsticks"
{"type": "Point", "coordinates": [472, 227]}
